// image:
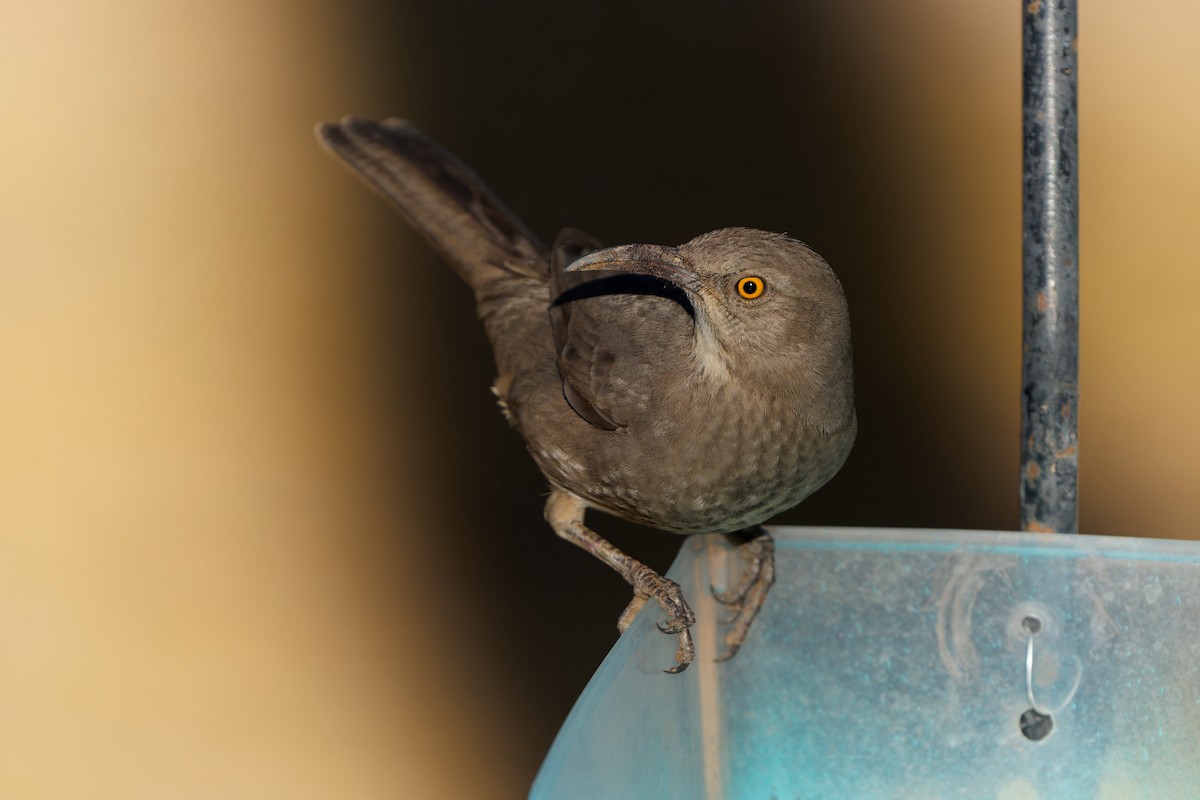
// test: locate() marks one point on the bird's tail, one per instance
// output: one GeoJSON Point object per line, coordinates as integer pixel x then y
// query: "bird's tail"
{"type": "Point", "coordinates": [439, 196]}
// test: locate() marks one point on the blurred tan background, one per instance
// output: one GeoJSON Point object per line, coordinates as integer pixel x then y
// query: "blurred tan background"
{"type": "Point", "coordinates": [262, 533]}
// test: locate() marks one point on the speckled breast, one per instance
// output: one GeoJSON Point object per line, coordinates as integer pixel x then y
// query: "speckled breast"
{"type": "Point", "coordinates": [735, 465]}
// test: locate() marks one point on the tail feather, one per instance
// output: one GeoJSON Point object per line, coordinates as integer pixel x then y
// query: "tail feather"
{"type": "Point", "coordinates": [439, 196]}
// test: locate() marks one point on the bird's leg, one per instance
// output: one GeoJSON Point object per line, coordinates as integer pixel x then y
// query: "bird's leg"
{"type": "Point", "coordinates": [746, 599]}
{"type": "Point", "coordinates": [564, 512]}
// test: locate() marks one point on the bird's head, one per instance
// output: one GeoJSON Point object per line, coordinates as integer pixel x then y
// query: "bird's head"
{"type": "Point", "coordinates": [767, 310]}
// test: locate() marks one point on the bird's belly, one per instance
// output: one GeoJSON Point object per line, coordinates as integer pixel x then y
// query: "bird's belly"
{"type": "Point", "coordinates": [719, 475]}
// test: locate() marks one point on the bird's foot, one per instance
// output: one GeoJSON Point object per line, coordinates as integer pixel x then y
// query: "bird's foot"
{"type": "Point", "coordinates": [564, 512]}
{"type": "Point", "coordinates": [649, 585]}
{"type": "Point", "coordinates": [747, 598]}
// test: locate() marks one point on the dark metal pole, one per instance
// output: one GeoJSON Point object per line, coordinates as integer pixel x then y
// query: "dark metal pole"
{"type": "Point", "coordinates": [1050, 370]}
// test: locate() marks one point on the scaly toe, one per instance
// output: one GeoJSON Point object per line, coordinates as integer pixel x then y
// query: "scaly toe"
{"type": "Point", "coordinates": [685, 654]}
{"type": "Point", "coordinates": [680, 618]}
{"type": "Point", "coordinates": [731, 649]}
{"type": "Point", "coordinates": [730, 597]}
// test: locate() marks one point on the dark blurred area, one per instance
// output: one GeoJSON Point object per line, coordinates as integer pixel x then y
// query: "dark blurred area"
{"type": "Point", "coordinates": [265, 526]}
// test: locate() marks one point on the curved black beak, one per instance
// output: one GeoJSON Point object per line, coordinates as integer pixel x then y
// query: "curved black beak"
{"type": "Point", "coordinates": [656, 260]}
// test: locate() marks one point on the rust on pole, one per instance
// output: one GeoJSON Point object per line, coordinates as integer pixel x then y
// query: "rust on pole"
{"type": "Point", "coordinates": [1050, 368]}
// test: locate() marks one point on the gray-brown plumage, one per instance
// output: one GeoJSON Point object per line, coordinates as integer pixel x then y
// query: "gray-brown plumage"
{"type": "Point", "coordinates": [703, 388]}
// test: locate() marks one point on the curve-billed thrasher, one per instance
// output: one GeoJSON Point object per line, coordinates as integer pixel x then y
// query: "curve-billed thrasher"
{"type": "Point", "coordinates": [703, 388]}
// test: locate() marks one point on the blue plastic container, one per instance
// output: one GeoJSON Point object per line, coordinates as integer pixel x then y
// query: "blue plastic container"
{"type": "Point", "coordinates": [899, 664]}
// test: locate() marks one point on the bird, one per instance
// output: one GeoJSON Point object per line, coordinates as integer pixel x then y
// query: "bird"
{"type": "Point", "coordinates": [702, 388]}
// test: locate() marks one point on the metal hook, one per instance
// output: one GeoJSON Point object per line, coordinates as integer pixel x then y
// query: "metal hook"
{"type": "Point", "coordinates": [1032, 625]}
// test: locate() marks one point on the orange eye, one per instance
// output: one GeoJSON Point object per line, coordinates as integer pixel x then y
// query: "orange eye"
{"type": "Point", "coordinates": [751, 287]}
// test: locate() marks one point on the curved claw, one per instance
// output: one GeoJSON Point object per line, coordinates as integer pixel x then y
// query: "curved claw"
{"type": "Point", "coordinates": [730, 651]}
{"type": "Point", "coordinates": [678, 668]}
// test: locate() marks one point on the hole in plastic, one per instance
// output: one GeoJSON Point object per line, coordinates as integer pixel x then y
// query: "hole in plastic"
{"type": "Point", "coordinates": [1035, 725]}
